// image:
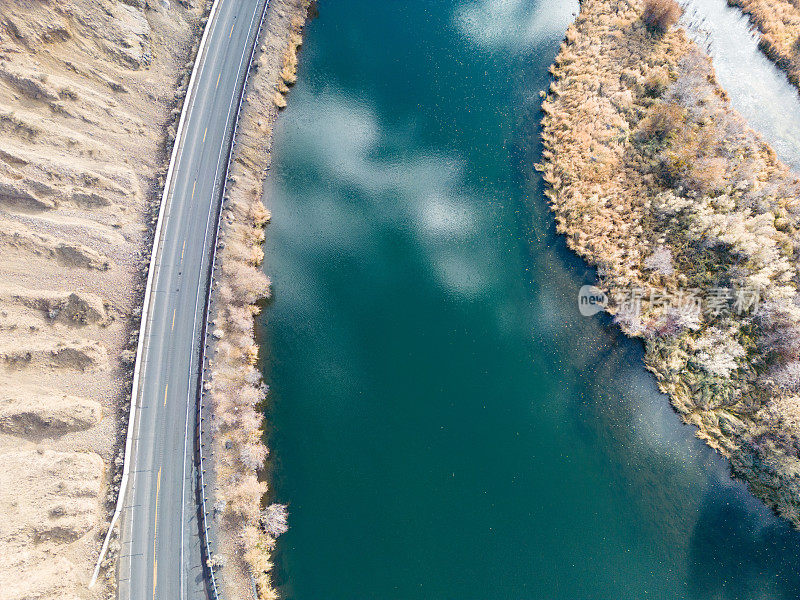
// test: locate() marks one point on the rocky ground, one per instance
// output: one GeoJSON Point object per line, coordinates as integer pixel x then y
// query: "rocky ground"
{"type": "Point", "coordinates": [694, 227]}
{"type": "Point", "coordinates": [246, 528]}
{"type": "Point", "coordinates": [89, 94]}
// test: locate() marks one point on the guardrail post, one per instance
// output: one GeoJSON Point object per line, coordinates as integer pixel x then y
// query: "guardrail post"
{"type": "Point", "coordinates": [206, 321]}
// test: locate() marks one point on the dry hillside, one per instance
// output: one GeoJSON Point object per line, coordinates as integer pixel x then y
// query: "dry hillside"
{"type": "Point", "coordinates": [89, 91]}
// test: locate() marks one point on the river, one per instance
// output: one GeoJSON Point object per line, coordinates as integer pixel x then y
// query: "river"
{"type": "Point", "coordinates": [445, 424]}
{"type": "Point", "coordinates": [757, 88]}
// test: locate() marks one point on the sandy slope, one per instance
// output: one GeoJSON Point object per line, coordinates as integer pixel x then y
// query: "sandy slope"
{"type": "Point", "coordinates": [88, 92]}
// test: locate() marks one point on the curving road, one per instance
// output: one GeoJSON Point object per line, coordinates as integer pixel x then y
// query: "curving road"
{"type": "Point", "coordinates": [160, 555]}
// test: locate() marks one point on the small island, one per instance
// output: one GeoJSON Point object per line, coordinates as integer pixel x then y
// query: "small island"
{"type": "Point", "coordinates": [693, 224]}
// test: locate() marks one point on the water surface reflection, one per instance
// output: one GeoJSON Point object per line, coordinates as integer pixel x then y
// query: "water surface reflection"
{"type": "Point", "coordinates": [445, 424]}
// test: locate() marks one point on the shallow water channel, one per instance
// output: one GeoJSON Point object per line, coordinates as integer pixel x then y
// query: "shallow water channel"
{"type": "Point", "coordinates": [445, 423]}
{"type": "Point", "coordinates": [757, 88]}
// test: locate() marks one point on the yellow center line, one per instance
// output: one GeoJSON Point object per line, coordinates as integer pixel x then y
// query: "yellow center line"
{"type": "Point", "coordinates": [165, 403]}
{"type": "Point", "coordinates": [155, 534]}
{"type": "Point", "coordinates": [204, 134]}
{"type": "Point", "coordinates": [218, 76]}
{"type": "Point", "coordinates": [231, 32]}
{"type": "Point", "coordinates": [173, 318]}
{"type": "Point", "coordinates": [194, 185]}
{"type": "Point", "coordinates": [183, 249]}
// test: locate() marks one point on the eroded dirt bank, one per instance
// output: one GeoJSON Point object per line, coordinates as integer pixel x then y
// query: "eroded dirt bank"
{"type": "Point", "coordinates": [693, 225]}
{"type": "Point", "coordinates": [90, 91]}
{"type": "Point", "coordinates": [246, 528]}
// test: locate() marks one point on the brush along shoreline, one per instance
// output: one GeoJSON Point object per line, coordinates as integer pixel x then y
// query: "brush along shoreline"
{"type": "Point", "coordinates": [244, 529]}
{"type": "Point", "coordinates": [693, 225]}
{"type": "Point", "coordinates": [778, 22]}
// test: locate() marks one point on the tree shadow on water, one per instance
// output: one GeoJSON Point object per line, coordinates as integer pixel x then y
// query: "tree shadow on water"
{"type": "Point", "coordinates": [738, 552]}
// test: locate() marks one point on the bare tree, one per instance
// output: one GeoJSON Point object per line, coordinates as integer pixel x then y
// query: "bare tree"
{"type": "Point", "coordinates": [786, 377]}
{"type": "Point", "coordinates": [274, 518]}
{"type": "Point", "coordinates": [660, 261]}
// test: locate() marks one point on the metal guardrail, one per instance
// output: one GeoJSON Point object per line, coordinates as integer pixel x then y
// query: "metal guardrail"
{"type": "Point", "coordinates": [212, 266]}
{"type": "Point", "coordinates": [144, 323]}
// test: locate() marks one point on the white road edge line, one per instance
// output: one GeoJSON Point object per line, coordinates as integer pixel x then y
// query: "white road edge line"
{"type": "Point", "coordinates": [197, 296]}
{"type": "Point", "coordinates": [176, 150]}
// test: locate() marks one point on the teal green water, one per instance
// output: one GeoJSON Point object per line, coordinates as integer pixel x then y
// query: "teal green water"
{"type": "Point", "coordinates": [445, 424]}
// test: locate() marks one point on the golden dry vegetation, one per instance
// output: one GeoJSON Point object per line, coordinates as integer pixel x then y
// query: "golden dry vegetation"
{"type": "Point", "coordinates": [778, 21]}
{"type": "Point", "coordinates": [656, 181]}
{"type": "Point", "coordinates": [660, 15]}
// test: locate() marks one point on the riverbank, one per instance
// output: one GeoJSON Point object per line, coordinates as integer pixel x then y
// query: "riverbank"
{"type": "Point", "coordinates": [778, 22]}
{"type": "Point", "coordinates": [692, 223]}
{"type": "Point", "coordinates": [246, 530]}
{"type": "Point", "coordinates": [89, 98]}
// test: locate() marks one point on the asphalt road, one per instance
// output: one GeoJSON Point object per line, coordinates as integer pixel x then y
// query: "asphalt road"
{"type": "Point", "coordinates": [160, 554]}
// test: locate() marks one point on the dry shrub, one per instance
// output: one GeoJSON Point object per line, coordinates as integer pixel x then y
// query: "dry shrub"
{"type": "Point", "coordinates": [225, 350]}
{"type": "Point", "coordinates": [673, 168]}
{"type": "Point", "coordinates": [274, 518]}
{"type": "Point", "coordinates": [227, 419]}
{"type": "Point", "coordinates": [256, 256]}
{"type": "Point", "coordinates": [252, 377]}
{"type": "Point", "coordinates": [240, 320]}
{"type": "Point", "coordinates": [224, 294]}
{"type": "Point", "coordinates": [250, 395]}
{"type": "Point", "coordinates": [660, 15]}
{"type": "Point", "coordinates": [656, 83]}
{"type": "Point", "coordinates": [253, 455]}
{"type": "Point", "coordinates": [258, 214]}
{"type": "Point", "coordinates": [242, 342]}
{"type": "Point", "coordinates": [779, 330]}
{"type": "Point", "coordinates": [663, 121]}
{"type": "Point", "coordinates": [707, 175]}
{"type": "Point", "coordinates": [237, 251]}
{"type": "Point", "coordinates": [250, 420]}
{"type": "Point", "coordinates": [258, 559]}
{"type": "Point", "coordinates": [660, 261]}
{"type": "Point", "coordinates": [243, 498]}
{"type": "Point", "coordinates": [251, 355]}
{"type": "Point", "coordinates": [786, 377]}
{"type": "Point", "coordinates": [248, 284]}
{"type": "Point", "coordinates": [250, 536]}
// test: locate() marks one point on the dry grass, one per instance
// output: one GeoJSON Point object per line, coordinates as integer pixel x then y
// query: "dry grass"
{"type": "Point", "coordinates": [663, 121]}
{"type": "Point", "coordinates": [779, 24]}
{"type": "Point", "coordinates": [660, 15]}
{"type": "Point", "coordinates": [669, 189]}
{"type": "Point", "coordinates": [238, 393]}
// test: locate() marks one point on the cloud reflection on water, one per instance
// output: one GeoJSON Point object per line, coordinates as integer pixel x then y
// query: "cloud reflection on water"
{"type": "Point", "coordinates": [511, 24]}
{"type": "Point", "coordinates": [424, 194]}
